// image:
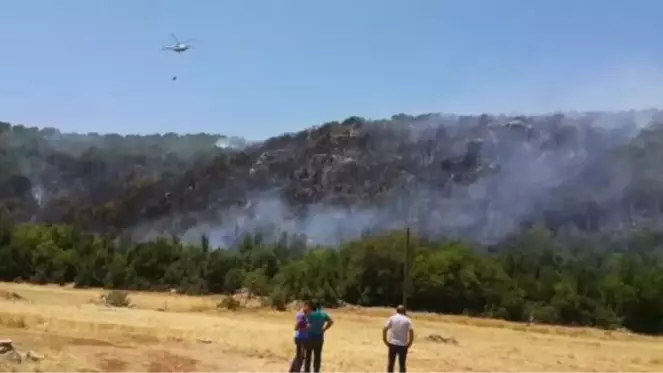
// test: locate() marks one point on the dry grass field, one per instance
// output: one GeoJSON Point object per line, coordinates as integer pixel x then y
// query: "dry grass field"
{"type": "Point", "coordinates": [170, 332]}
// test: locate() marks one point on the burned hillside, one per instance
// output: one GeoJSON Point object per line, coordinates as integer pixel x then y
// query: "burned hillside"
{"type": "Point", "coordinates": [478, 177]}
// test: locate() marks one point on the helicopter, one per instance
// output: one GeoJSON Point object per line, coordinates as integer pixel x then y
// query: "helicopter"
{"type": "Point", "coordinates": [179, 46]}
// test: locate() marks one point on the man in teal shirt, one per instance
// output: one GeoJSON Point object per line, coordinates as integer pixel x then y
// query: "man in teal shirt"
{"type": "Point", "coordinates": [319, 322]}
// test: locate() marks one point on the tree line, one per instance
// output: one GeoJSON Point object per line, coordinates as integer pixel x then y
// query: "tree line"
{"type": "Point", "coordinates": [567, 278]}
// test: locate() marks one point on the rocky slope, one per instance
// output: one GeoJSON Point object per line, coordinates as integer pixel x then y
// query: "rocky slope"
{"type": "Point", "coordinates": [475, 176]}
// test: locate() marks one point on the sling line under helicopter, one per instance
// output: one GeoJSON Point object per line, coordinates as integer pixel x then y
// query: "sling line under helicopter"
{"type": "Point", "coordinates": [179, 47]}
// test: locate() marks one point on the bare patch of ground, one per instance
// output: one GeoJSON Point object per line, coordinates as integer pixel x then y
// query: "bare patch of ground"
{"type": "Point", "coordinates": [164, 361]}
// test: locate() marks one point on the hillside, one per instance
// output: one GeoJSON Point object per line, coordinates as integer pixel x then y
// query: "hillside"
{"type": "Point", "coordinates": [551, 219]}
{"type": "Point", "coordinates": [470, 177]}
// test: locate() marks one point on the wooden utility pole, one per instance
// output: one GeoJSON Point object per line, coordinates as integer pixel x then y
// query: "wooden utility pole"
{"type": "Point", "coordinates": [406, 268]}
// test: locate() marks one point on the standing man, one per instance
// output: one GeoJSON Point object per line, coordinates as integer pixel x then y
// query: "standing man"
{"type": "Point", "coordinates": [399, 326]}
{"type": "Point", "coordinates": [301, 337]}
{"type": "Point", "coordinates": [319, 323]}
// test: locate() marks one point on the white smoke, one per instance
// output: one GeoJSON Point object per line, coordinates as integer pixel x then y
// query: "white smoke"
{"type": "Point", "coordinates": [523, 179]}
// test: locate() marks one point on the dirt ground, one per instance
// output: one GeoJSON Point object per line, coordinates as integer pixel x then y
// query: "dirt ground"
{"type": "Point", "coordinates": [70, 331]}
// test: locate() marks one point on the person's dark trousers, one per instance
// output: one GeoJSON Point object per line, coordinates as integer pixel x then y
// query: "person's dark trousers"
{"type": "Point", "coordinates": [300, 353]}
{"type": "Point", "coordinates": [313, 350]}
{"type": "Point", "coordinates": [401, 352]}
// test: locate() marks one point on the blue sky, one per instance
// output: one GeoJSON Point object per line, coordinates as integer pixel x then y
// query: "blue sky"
{"type": "Point", "coordinates": [265, 67]}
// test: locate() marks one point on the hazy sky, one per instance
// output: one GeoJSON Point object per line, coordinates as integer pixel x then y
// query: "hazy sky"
{"type": "Point", "coordinates": [264, 67]}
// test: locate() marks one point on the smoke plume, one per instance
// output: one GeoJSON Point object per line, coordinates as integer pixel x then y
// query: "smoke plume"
{"type": "Point", "coordinates": [478, 178]}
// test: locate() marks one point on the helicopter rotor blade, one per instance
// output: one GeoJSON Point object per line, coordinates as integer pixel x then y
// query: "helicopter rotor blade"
{"type": "Point", "coordinates": [188, 41]}
{"type": "Point", "coordinates": [175, 37]}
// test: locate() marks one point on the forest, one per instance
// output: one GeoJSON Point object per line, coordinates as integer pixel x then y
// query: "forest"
{"type": "Point", "coordinates": [547, 219]}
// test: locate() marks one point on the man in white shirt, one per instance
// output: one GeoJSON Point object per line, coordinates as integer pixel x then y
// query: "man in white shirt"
{"type": "Point", "coordinates": [401, 335]}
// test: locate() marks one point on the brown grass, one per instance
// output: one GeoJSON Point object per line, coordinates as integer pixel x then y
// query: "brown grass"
{"type": "Point", "coordinates": [163, 333]}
